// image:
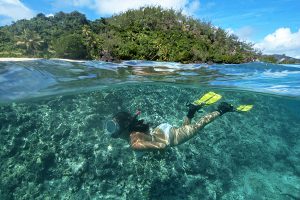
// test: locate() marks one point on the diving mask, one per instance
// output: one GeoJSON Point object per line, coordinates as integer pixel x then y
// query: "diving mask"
{"type": "Point", "coordinates": [112, 127]}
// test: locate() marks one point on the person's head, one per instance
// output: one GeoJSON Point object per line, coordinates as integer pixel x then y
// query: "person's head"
{"type": "Point", "coordinates": [123, 123]}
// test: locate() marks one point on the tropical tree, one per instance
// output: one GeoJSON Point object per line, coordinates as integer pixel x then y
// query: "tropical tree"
{"type": "Point", "coordinates": [30, 41]}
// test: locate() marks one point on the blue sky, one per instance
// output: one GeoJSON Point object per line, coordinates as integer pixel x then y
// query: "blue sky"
{"type": "Point", "coordinates": [273, 25]}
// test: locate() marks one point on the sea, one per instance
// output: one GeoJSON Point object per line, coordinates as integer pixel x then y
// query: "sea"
{"type": "Point", "coordinates": [54, 145]}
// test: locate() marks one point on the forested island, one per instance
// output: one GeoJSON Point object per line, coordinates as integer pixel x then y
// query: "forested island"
{"type": "Point", "coordinates": [149, 33]}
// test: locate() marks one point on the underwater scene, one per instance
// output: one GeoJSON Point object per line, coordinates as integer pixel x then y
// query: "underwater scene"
{"type": "Point", "coordinates": [53, 142]}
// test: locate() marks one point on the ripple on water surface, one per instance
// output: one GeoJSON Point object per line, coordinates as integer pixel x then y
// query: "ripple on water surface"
{"type": "Point", "coordinates": [38, 78]}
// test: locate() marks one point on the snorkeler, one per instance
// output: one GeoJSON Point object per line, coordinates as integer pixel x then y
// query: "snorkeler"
{"type": "Point", "coordinates": [140, 137]}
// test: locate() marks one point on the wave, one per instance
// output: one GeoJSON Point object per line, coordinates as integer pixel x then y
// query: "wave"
{"type": "Point", "coordinates": [40, 77]}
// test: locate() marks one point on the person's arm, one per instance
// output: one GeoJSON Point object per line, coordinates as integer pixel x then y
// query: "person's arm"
{"type": "Point", "coordinates": [146, 145]}
{"type": "Point", "coordinates": [142, 141]}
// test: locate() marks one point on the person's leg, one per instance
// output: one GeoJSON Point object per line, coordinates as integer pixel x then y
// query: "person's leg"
{"type": "Point", "coordinates": [184, 133]}
{"type": "Point", "coordinates": [192, 110]}
{"type": "Point", "coordinates": [187, 131]}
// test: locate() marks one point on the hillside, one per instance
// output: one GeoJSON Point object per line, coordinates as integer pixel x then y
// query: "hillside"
{"type": "Point", "coordinates": [286, 59]}
{"type": "Point", "coordinates": [280, 59]}
{"type": "Point", "coordinates": [150, 33]}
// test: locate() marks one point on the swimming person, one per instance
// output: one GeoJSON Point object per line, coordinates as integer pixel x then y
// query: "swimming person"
{"type": "Point", "coordinates": [138, 134]}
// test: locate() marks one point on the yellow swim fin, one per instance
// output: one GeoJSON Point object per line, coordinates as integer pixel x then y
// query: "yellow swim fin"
{"type": "Point", "coordinates": [208, 99]}
{"type": "Point", "coordinates": [244, 108]}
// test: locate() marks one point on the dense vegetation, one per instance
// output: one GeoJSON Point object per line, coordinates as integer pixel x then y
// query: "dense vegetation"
{"type": "Point", "coordinates": [149, 33]}
{"type": "Point", "coordinates": [39, 36]}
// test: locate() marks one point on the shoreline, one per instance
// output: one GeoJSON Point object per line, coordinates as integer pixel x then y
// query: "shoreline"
{"type": "Point", "coordinates": [16, 59]}
{"type": "Point", "coordinates": [33, 59]}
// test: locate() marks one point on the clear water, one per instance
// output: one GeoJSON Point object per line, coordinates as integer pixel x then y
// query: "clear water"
{"type": "Point", "coordinates": [52, 142]}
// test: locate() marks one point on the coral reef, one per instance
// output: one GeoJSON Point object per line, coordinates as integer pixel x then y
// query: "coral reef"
{"type": "Point", "coordinates": [56, 148]}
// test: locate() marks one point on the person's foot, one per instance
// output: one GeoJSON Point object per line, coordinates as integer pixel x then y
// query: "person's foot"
{"type": "Point", "coordinates": [225, 107]}
{"type": "Point", "coordinates": [192, 110]}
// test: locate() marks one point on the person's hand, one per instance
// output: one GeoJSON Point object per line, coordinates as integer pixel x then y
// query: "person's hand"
{"type": "Point", "coordinates": [225, 107]}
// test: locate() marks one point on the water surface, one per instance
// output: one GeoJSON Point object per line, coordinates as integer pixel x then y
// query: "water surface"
{"type": "Point", "coordinates": [27, 79]}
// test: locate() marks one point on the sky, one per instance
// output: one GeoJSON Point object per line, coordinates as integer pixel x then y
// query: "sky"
{"type": "Point", "coordinates": [273, 26]}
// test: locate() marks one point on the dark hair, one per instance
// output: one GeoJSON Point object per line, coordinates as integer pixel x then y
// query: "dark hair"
{"type": "Point", "coordinates": [131, 123]}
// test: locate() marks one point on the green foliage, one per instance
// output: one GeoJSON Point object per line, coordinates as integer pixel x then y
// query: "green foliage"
{"type": "Point", "coordinates": [47, 29]}
{"type": "Point", "coordinates": [149, 33]}
{"type": "Point", "coordinates": [70, 46]}
{"type": "Point", "coordinates": [30, 41]}
{"type": "Point", "coordinates": [152, 33]}
{"type": "Point", "coordinates": [269, 59]}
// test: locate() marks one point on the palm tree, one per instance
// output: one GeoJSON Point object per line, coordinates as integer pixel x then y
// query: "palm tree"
{"type": "Point", "coordinates": [29, 40]}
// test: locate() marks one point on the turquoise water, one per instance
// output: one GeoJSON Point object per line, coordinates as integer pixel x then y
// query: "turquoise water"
{"type": "Point", "coordinates": [53, 145]}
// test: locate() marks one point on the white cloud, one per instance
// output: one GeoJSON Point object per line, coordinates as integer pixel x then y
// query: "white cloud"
{"type": "Point", "coordinates": [191, 7]}
{"type": "Point", "coordinates": [50, 15]}
{"type": "Point", "coordinates": [282, 41]}
{"type": "Point", "coordinates": [230, 31]}
{"type": "Point", "coordinates": [244, 33]}
{"type": "Point", "coordinates": [12, 10]}
{"type": "Point", "coordinates": [109, 7]}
